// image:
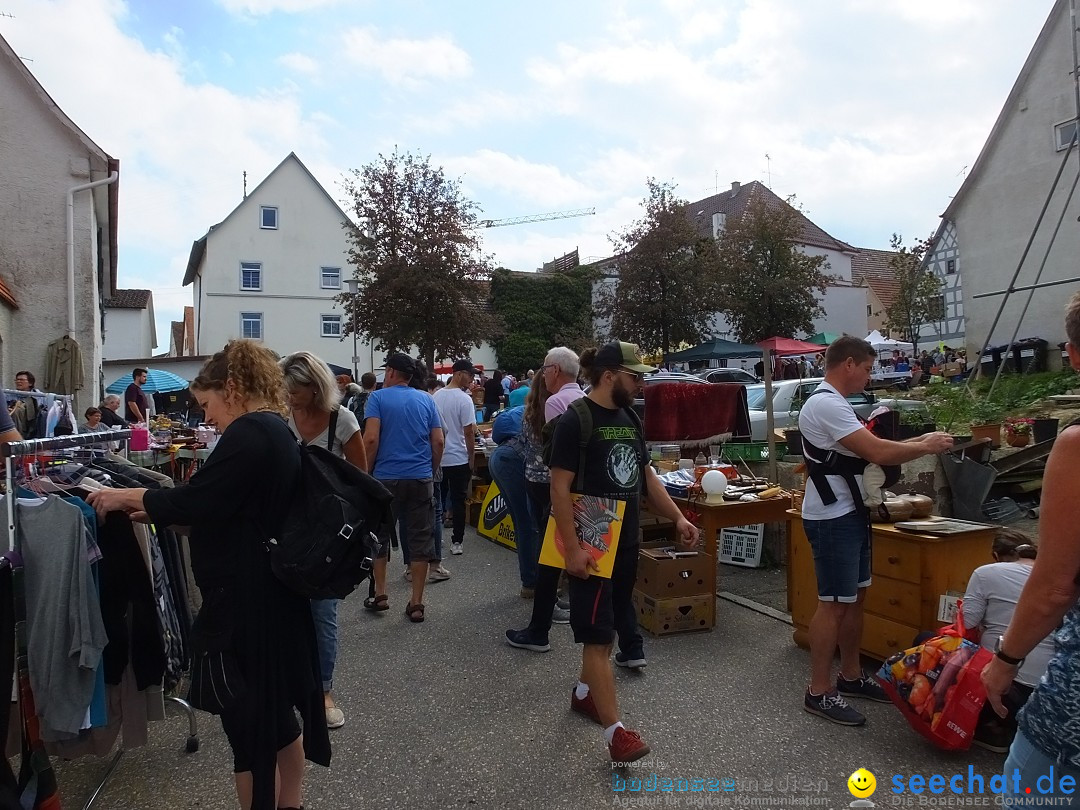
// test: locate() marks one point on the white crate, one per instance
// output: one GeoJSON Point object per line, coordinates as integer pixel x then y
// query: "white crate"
{"type": "Point", "coordinates": [741, 545]}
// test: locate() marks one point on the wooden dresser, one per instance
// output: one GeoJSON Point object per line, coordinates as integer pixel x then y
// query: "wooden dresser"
{"type": "Point", "coordinates": [910, 572]}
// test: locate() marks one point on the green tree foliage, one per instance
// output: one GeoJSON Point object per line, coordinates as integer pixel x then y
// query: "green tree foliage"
{"type": "Point", "coordinates": [918, 289]}
{"type": "Point", "coordinates": [664, 294]}
{"type": "Point", "coordinates": [768, 286]}
{"type": "Point", "coordinates": [416, 252]}
{"type": "Point", "coordinates": [539, 311]}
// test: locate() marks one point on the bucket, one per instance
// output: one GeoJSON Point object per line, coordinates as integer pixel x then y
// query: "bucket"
{"type": "Point", "coordinates": [140, 437]}
{"type": "Point", "coordinates": [1043, 430]}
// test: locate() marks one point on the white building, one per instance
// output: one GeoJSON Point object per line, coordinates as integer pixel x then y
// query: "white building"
{"type": "Point", "coordinates": [986, 229]}
{"type": "Point", "coordinates": [129, 325]}
{"type": "Point", "coordinates": [46, 164]}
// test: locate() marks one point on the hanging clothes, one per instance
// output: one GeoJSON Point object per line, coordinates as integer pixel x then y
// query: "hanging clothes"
{"type": "Point", "coordinates": [63, 366]}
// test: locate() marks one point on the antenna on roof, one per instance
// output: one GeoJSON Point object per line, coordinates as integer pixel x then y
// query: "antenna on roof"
{"type": "Point", "coordinates": [768, 168]}
{"type": "Point", "coordinates": [245, 185]}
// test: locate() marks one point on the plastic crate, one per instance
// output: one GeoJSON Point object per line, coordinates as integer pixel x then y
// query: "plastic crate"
{"type": "Point", "coordinates": [741, 545]}
{"type": "Point", "coordinates": [751, 451]}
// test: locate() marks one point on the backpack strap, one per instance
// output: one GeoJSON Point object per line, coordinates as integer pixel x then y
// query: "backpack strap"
{"type": "Point", "coordinates": [820, 463]}
{"type": "Point", "coordinates": [584, 415]}
{"type": "Point", "coordinates": [331, 430]}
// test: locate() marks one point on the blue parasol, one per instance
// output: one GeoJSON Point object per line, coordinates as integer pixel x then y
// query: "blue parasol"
{"type": "Point", "coordinates": [157, 382]}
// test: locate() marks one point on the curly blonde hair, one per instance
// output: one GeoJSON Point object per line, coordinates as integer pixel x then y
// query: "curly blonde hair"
{"type": "Point", "coordinates": [253, 370]}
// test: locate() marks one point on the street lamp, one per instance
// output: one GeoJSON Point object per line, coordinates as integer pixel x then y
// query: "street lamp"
{"type": "Point", "coordinates": [353, 284]}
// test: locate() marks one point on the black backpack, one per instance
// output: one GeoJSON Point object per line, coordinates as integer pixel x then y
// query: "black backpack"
{"type": "Point", "coordinates": [329, 539]}
{"type": "Point", "coordinates": [584, 415]}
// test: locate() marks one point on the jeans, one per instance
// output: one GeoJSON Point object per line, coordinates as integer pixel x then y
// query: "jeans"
{"type": "Point", "coordinates": [508, 471]}
{"type": "Point", "coordinates": [324, 612]}
{"type": "Point", "coordinates": [456, 480]}
{"type": "Point", "coordinates": [1031, 763]}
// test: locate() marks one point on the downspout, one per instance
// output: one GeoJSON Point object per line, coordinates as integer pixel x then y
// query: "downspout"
{"type": "Point", "coordinates": [112, 178]}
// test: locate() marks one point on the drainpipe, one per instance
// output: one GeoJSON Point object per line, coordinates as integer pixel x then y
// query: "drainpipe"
{"type": "Point", "coordinates": [112, 178]}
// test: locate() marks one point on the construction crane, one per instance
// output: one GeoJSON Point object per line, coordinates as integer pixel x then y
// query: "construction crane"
{"type": "Point", "coordinates": [498, 223]}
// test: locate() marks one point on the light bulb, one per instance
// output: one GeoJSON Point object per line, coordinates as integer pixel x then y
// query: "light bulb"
{"type": "Point", "coordinates": [714, 483]}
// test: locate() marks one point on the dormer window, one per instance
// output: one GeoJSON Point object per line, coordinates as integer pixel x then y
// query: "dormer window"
{"type": "Point", "coordinates": [268, 217]}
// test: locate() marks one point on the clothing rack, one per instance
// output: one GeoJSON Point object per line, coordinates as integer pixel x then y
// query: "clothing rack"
{"type": "Point", "coordinates": [12, 450]}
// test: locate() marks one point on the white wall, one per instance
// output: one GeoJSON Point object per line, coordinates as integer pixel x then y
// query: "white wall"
{"type": "Point", "coordinates": [128, 333]}
{"type": "Point", "coordinates": [836, 263]}
{"type": "Point", "coordinates": [42, 159]}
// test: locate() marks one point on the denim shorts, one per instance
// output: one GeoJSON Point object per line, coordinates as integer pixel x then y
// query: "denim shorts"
{"type": "Point", "coordinates": [841, 548]}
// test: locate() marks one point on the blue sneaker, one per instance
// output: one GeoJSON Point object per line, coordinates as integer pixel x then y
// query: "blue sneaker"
{"type": "Point", "coordinates": [527, 640]}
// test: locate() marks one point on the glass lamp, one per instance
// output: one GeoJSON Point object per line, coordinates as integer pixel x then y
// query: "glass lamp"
{"type": "Point", "coordinates": [714, 483]}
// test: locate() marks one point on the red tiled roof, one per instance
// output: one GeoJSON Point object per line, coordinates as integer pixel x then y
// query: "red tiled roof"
{"type": "Point", "coordinates": [6, 295]}
{"type": "Point", "coordinates": [129, 299]}
{"type": "Point", "coordinates": [733, 202]}
{"type": "Point", "coordinates": [871, 267]}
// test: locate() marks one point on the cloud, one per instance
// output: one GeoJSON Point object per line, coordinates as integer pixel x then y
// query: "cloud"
{"type": "Point", "coordinates": [299, 63]}
{"type": "Point", "coordinates": [256, 8]}
{"type": "Point", "coordinates": [406, 61]}
{"type": "Point", "coordinates": [535, 184]}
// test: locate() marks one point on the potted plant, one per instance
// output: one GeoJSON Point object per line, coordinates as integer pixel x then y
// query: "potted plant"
{"type": "Point", "coordinates": [949, 406]}
{"type": "Point", "coordinates": [914, 422]}
{"type": "Point", "coordinates": [1018, 431]}
{"type": "Point", "coordinates": [985, 417]}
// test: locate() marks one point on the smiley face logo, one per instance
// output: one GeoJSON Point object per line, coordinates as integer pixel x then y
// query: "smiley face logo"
{"type": "Point", "coordinates": [862, 784]}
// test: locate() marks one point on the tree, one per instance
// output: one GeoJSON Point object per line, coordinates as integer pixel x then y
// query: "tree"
{"type": "Point", "coordinates": [418, 258]}
{"type": "Point", "coordinates": [768, 286]}
{"type": "Point", "coordinates": [917, 301]}
{"type": "Point", "coordinates": [546, 309]}
{"type": "Point", "coordinates": [664, 294]}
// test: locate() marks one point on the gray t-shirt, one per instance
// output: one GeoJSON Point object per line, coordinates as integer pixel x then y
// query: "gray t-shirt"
{"type": "Point", "coordinates": [347, 427]}
{"type": "Point", "coordinates": [990, 601]}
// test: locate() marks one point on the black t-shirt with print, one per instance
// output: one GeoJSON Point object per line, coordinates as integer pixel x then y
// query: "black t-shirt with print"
{"type": "Point", "coordinates": [614, 460]}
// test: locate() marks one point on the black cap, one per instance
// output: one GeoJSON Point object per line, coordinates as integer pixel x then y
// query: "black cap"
{"type": "Point", "coordinates": [466, 365]}
{"type": "Point", "coordinates": [400, 361]}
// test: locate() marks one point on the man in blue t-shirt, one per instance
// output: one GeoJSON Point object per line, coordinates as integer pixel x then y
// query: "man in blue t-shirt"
{"type": "Point", "coordinates": [404, 440]}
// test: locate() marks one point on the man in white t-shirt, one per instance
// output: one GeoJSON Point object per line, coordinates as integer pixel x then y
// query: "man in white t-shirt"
{"type": "Point", "coordinates": [458, 415]}
{"type": "Point", "coordinates": [837, 524]}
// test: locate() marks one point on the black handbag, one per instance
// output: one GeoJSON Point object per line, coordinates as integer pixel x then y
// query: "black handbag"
{"type": "Point", "coordinates": [216, 680]}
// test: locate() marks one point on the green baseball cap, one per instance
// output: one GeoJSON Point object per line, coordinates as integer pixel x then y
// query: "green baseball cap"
{"type": "Point", "coordinates": [621, 355]}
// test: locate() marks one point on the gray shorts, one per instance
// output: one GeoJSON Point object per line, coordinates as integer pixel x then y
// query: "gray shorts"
{"type": "Point", "coordinates": [414, 512]}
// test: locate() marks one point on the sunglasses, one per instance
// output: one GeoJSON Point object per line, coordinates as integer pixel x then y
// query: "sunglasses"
{"type": "Point", "coordinates": [637, 375]}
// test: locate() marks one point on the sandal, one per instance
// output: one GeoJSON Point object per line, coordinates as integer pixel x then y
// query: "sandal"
{"type": "Point", "coordinates": [377, 603]}
{"type": "Point", "coordinates": [415, 612]}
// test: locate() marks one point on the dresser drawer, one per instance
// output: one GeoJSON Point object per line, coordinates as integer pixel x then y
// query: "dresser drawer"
{"type": "Point", "coordinates": [896, 559]}
{"type": "Point", "coordinates": [894, 599]}
{"type": "Point", "coordinates": [882, 637]}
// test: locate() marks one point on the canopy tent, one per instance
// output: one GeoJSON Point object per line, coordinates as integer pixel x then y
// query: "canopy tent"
{"type": "Point", "coordinates": [823, 338]}
{"type": "Point", "coordinates": [715, 349]}
{"type": "Point", "coordinates": [782, 346]}
{"type": "Point", "coordinates": [335, 369]}
{"type": "Point", "coordinates": [157, 382]}
{"type": "Point", "coordinates": [882, 343]}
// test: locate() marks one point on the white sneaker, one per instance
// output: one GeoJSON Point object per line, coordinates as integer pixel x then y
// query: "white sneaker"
{"type": "Point", "coordinates": [335, 717]}
{"type": "Point", "coordinates": [407, 574]}
{"type": "Point", "coordinates": [455, 549]}
{"type": "Point", "coordinates": [438, 574]}
{"type": "Point", "coordinates": [560, 615]}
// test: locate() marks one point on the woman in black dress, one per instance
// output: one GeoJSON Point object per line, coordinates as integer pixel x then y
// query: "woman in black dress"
{"type": "Point", "coordinates": [234, 504]}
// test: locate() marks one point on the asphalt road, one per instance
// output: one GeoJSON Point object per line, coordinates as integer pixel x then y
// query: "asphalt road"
{"type": "Point", "coordinates": [445, 714]}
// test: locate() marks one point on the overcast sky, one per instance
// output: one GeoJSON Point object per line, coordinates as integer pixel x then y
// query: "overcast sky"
{"type": "Point", "coordinates": [870, 111]}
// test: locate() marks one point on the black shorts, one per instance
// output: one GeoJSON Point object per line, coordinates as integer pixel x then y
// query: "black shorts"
{"type": "Point", "coordinates": [238, 724]}
{"type": "Point", "coordinates": [594, 601]}
{"type": "Point", "coordinates": [413, 506]}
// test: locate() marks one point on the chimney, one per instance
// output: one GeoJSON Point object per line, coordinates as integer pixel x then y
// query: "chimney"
{"type": "Point", "coordinates": [735, 185]}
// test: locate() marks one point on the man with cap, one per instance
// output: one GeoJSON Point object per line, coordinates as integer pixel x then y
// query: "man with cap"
{"type": "Point", "coordinates": [616, 465]}
{"type": "Point", "coordinates": [404, 441]}
{"type": "Point", "coordinates": [458, 417]}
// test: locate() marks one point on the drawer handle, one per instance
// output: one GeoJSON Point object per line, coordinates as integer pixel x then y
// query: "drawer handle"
{"type": "Point", "coordinates": [894, 601]}
{"type": "Point", "coordinates": [894, 560]}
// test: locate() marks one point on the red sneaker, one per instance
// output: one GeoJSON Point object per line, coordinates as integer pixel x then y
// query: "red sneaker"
{"type": "Point", "coordinates": [584, 706]}
{"type": "Point", "coordinates": [627, 746]}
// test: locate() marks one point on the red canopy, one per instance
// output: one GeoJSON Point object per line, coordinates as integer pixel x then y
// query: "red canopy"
{"type": "Point", "coordinates": [448, 368]}
{"type": "Point", "coordinates": [782, 345]}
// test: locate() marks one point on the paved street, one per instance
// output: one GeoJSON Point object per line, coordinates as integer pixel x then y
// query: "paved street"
{"type": "Point", "coordinates": [445, 714]}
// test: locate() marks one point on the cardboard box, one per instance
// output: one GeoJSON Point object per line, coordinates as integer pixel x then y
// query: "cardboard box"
{"type": "Point", "coordinates": [662, 576]}
{"type": "Point", "coordinates": [664, 617]}
{"type": "Point", "coordinates": [472, 513]}
{"type": "Point", "coordinates": [950, 369]}
{"type": "Point", "coordinates": [656, 530]}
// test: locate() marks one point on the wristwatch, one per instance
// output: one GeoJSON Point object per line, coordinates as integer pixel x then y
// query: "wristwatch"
{"type": "Point", "coordinates": [1008, 659]}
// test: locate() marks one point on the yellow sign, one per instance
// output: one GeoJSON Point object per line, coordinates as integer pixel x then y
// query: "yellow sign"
{"type": "Point", "coordinates": [862, 784]}
{"type": "Point", "coordinates": [495, 521]}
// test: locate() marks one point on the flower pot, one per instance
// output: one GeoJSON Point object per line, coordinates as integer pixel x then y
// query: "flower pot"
{"type": "Point", "coordinates": [1044, 430]}
{"type": "Point", "coordinates": [1018, 439]}
{"type": "Point", "coordinates": [991, 432]}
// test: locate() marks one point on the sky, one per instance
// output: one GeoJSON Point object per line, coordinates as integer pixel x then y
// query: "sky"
{"type": "Point", "coordinates": [868, 111]}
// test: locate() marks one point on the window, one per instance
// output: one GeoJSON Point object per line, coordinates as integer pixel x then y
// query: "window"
{"type": "Point", "coordinates": [935, 307]}
{"type": "Point", "coordinates": [251, 325]}
{"type": "Point", "coordinates": [950, 267]}
{"type": "Point", "coordinates": [331, 278]}
{"type": "Point", "coordinates": [268, 217]}
{"type": "Point", "coordinates": [250, 275]}
{"type": "Point", "coordinates": [331, 326]}
{"type": "Point", "coordinates": [869, 311]}
{"type": "Point", "coordinates": [1064, 133]}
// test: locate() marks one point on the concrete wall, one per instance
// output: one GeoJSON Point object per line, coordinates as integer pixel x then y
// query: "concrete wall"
{"type": "Point", "coordinates": [997, 212]}
{"type": "Point", "coordinates": [41, 160]}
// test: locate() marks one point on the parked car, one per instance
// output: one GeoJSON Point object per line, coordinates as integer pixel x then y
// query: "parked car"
{"type": "Point", "coordinates": [789, 396]}
{"type": "Point", "coordinates": [729, 375]}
